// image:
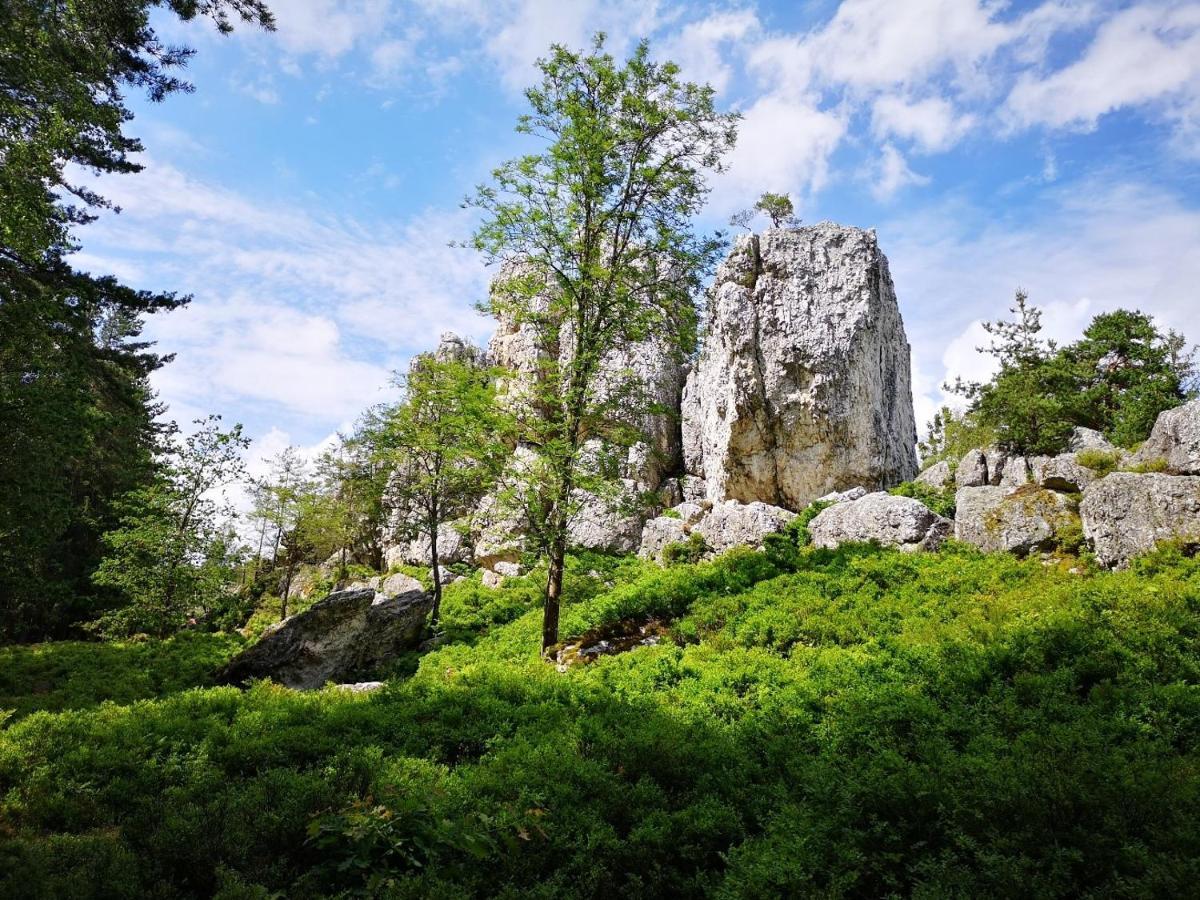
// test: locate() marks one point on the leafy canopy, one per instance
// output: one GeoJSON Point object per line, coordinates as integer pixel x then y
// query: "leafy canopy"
{"type": "Point", "coordinates": [598, 254]}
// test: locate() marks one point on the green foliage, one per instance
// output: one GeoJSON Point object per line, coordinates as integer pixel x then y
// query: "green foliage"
{"type": "Point", "coordinates": [1102, 462]}
{"type": "Point", "coordinates": [600, 254]}
{"type": "Point", "coordinates": [75, 675]}
{"type": "Point", "coordinates": [940, 501]}
{"type": "Point", "coordinates": [172, 557]}
{"type": "Point", "coordinates": [690, 551]}
{"type": "Point", "coordinates": [864, 723]}
{"type": "Point", "coordinates": [951, 435]}
{"type": "Point", "coordinates": [671, 514]}
{"type": "Point", "coordinates": [77, 417]}
{"type": "Point", "coordinates": [445, 445]}
{"type": "Point", "coordinates": [1116, 379]}
{"type": "Point", "coordinates": [776, 207]}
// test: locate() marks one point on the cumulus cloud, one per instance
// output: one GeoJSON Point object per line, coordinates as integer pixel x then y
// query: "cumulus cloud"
{"type": "Point", "coordinates": [703, 48]}
{"type": "Point", "coordinates": [932, 123]}
{"type": "Point", "coordinates": [1142, 54]}
{"type": "Point", "coordinates": [892, 173]}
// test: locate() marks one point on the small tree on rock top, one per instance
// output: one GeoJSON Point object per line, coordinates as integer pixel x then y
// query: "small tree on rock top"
{"type": "Point", "coordinates": [776, 207]}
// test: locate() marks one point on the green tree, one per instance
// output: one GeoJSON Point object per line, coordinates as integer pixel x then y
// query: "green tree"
{"type": "Point", "coordinates": [77, 419]}
{"type": "Point", "coordinates": [1116, 379]}
{"type": "Point", "coordinates": [776, 207]}
{"type": "Point", "coordinates": [445, 444]}
{"type": "Point", "coordinates": [595, 231]}
{"type": "Point", "coordinates": [172, 553]}
{"type": "Point", "coordinates": [1127, 372]}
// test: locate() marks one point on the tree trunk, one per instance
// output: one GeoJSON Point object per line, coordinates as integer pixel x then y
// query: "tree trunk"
{"type": "Point", "coordinates": [436, 612]}
{"type": "Point", "coordinates": [554, 579]}
{"type": "Point", "coordinates": [287, 589]}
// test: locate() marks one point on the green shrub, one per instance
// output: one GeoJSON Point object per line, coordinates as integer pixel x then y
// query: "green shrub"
{"type": "Point", "coordinates": [671, 514]}
{"type": "Point", "coordinates": [862, 722]}
{"type": "Point", "coordinates": [940, 501]}
{"type": "Point", "coordinates": [690, 551]}
{"type": "Point", "coordinates": [1102, 462]}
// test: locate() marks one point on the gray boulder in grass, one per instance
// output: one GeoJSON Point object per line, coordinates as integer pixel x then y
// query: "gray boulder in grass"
{"type": "Point", "coordinates": [342, 638]}
{"type": "Point", "coordinates": [1015, 520]}
{"type": "Point", "coordinates": [1127, 514]}
{"type": "Point", "coordinates": [891, 521]}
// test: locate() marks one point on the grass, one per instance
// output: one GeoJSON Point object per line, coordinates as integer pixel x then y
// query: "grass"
{"type": "Point", "coordinates": [857, 722]}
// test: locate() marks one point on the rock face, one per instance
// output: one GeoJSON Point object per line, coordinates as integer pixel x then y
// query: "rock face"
{"type": "Point", "coordinates": [972, 470]}
{"type": "Point", "coordinates": [803, 384]}
{"type": "Point", "coordinates": [892, 521]}
{"type": "Point", "coordinates": [1021, 520]}
{"type": "Point", "coordinates": [1063, 473]}
{"type": "Point", "coordinates": [1127, 513]}
{"type": "Point", "coordinates": [1088, 439]}
{"type": "Point", "coordinates": [1175, 440]}
{"type": "Point", "coordinates": [346, 635]}
{"type": "Point", "coordinates": [733, 524]}
{"type": "Point", "coordinates": [607, 524]}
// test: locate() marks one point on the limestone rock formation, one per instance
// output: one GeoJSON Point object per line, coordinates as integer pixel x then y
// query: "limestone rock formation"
{"type": "Point", "coordinates": [1020, 520]}
{"type": "Point", "coordinates": [453, 546]}
{"type": "Point", "coordinates": [1174, 440]}
{"type": "Point", "coordinates": [1127, 513]}
{"type": "Point", "coordinates": [1063, 473]}
{"type": "Point", "coordinates": [892, 521]}
{"type": "Point", "coordinates": [803, 383]}
{"type": "Point", "coordinates": [732, 524]}
{"type": "Point", "coordinates": [347, 635]}
{"type": "Point", "coordinates": [972, 470]}
{"type": "Point", "coordinates": [608, 524]}
{"type": "Point", "coordinates": [1089, 439]}
{"type": "Point", "coordinates": [658, 533]}
{"type": "Point", "coordinates": [939, 476]}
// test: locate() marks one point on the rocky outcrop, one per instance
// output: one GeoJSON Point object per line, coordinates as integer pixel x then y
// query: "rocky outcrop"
{"type": "Point", "coordinates": [732, 524]}
{"type": "Point", "coordinates": [660, 532]}
{"type": "Point", "coordinates": [453, 546]}
{"type": "Point", "coordinates": [1063, 473]}
{"type": "Point", "coordinates": [646, 376]}
{"type": "Point", "coordinates": [972, 470]}
{"type": "Point", "coordinates": [1174, 441]}
{"type": "Point", "coordinates": [803, 384]}
{"type": "Point", "coordinates": [609, 524]}
{"type": "Point", "coordinates": [939, 476]}
{"type": "Point", "coordinates": [1126, 514]}
{"type": "Point", "coordinates": [891, 521]}
{"type": "Point", "coordinates": [347, 635]}
{"type": "Point", "coordinates": [1089, 439]}
{"type": "Point", "coordinates": [1002, 519]}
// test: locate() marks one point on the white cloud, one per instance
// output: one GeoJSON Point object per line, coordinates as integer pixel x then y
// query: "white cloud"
{"type": "Point", "coordinates": [524, 30]}
{"type": "Point", "coordinates": [892, 173]}
{"type": "Point", "coordinates": [296, 315]}
{"type": "Point", "coordinates": [1142, 54]}
{"type": "Point", "coordinates": [932, 123]}
{"type": "Point", "coordinates": [783, 145]}
{"type": "Point", "coordinates": [700, 47]}
{"type": "Point", "coordinates": [1094, 246]}
{"type": "Point", "coordinates": [328, 28]}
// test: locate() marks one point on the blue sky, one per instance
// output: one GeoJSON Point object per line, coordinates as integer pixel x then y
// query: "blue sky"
{"type": "Point", "coordinates": [306, 193]}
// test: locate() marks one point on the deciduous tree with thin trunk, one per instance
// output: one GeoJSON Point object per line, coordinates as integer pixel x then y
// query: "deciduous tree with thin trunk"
{"type": "Point", "coordinates": [445, 443]}
{"type": "Point", "coordinates": [595, 230]}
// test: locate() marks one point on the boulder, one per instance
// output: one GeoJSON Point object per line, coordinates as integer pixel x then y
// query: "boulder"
{"type": "Point", "coordinates": [691, 513]}
{"type": "Point", "coordinates": [803, 384]}
{"type": "Point", "coordinates": [972, 470]}
{"type": "Point", "coordinates": [1129, 513]}
{"type": "Point", "coordinates": [1012, 472]}
{"type": "Point", "coordinates": [693, 489]}
{"type": "Point", "coordinates": [939, 476]}
{"type": "Point", "coordinates": [891, 521]}
{"type": "Point", "coordinates": [1174, 440]}
{"type": "Point", "coordinates": [396, 584]}
{"type": "Point", "coordinates": [658, 533]}
{"type": "Point", "coordinates": [341, 638]}
{"type": "Point", "coordinates": [1064, 473]}
{"type": "Point", "coordinates": [732, 524]}
{"type": "Point", "coordinates": [1019, 520]}
{"type": "Point", "coordinates": [1089, 439]}
{"type": "Point", "coordinates": [842, 496]}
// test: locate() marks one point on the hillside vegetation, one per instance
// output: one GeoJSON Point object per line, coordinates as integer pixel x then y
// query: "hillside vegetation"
{"type": "Point", "coordinates": [856, 722]}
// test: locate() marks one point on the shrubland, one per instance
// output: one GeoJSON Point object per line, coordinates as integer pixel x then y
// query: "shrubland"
{"type": "Point", "coordinates": [858, 722]}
